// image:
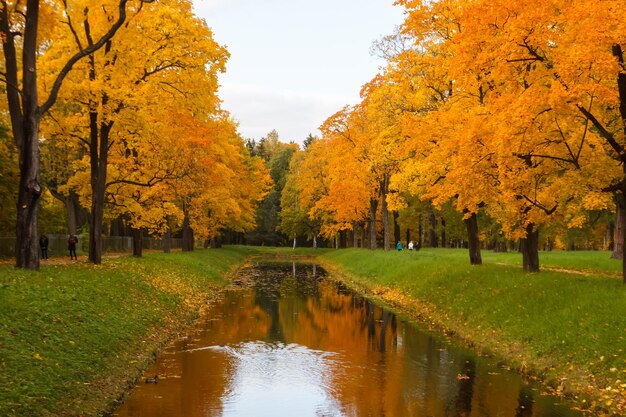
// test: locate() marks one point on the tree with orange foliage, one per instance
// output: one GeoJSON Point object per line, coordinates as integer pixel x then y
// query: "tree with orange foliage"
{"type": "Point", "coordinates": [554, 88]}
{"type": "Point", "coordinates": [22, 20]}
{"type": "Point", "coordinates": [510, 103]}
{"type": "Point", "coordinates": [167, 54]}
{"type": "Point", "coordinates": [351, 192]}
{"type": "Point", "coordinates": [443, 124]}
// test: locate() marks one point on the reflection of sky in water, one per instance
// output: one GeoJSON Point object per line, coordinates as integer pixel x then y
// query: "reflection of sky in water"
{"type": "Point", "coordinates": [297, 346]}
{"type": "Point", "coordinates": [279, 380]}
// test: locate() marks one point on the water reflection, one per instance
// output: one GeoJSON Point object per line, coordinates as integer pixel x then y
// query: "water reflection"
{"type": "Point", "coordinates": [293, 344]}
{"type": "Point", "coordinates": [293, 377]}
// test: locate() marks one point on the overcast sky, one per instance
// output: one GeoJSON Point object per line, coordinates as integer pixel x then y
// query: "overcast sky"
{"type": "Point", "coordinates": [295, 62]}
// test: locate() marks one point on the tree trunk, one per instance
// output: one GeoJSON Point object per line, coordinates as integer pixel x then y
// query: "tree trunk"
{"type": "Point", "coordinates": [530, 249]}
{"type": "Point", "coordinates": [314, 242]}
{"type": "Point", "coordinates": [188, 241]}
{"type": "Point", "coordinates": [25, 114]}
{"type": "Point", "coordinates": [618, 239]}
{"type": "Point", "coordinates": [216, 242]}
{"type": "Point", "coordinates": [620, 226]}
{"type": "Point", "coordinates": [72, 209]}
{"type": "Point", "coordinates": [25, 118]}
{"type": "Point", "coordinates": [355, 234]}
{"type": "Point", "coordinates": [396, 227]}
{"type": "Point", "coordinates": [27, 241]}
{"type": "Point", "coordinates": [444, 241]}
{"type": "Point", "coordinates": [98, 152]}
{"type": "Point", "coordinates": [420, 233]}
{"type": "Point", "coordinates": [167, 241]}
{"type": "Point", "coordinates": [408, 235]}
{"type": "Point", "coordinates": [621, 88]}
{"type": "Point", "coordinates": [372, 222]}
{"type": "Point", "coordinates": [473, 239]}
{"type": "Point", "coordinates": [432, 221]}
{"type": "Point", "coordinates": [343, 239]}
{"type": "Point", "coordinates": [385, 214]}
{"type": "Point", "coordinates": [137, 242]}
{"type": "Point", "coordinates": [609, 236]}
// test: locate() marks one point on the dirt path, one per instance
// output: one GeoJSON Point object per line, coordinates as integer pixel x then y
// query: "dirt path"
{"type": "Point", "coordinates": [62, 260]}
{"type": "Point", "coordinates": [586, 273]}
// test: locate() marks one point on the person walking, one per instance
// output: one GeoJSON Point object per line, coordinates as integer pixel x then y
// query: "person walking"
{"type": "Point", "coordinates": [43, 244]}
{"type": "Point", "coordinates": [72, 240]}
{"type": "Point", "coordinates": [399, 246]}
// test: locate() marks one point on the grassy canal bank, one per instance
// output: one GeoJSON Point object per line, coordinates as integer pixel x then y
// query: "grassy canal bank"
{"type": "Point", "coordinates": [74, 337]}
{"type": "Point", "coordinates": [565, 325]}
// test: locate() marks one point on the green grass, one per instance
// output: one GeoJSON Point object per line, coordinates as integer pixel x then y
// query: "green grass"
{"type": "Point", "coordinates": [581, 261]}
{"type": "Point", "coordinates": [73, 337]}
{"type": "Point", "coordinates": [558, 324]}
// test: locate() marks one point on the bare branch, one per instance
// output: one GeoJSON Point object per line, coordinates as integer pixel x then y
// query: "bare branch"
{"type": "Point", "coordinates": [604, 133]}
{"type": "Point", "coordinates": [613, 188]}
{"type": "Point", "coordinates": [173, 87]}
{"type": "Point", "coordinates": [533, 59]}
{"type": "Point", "coordinates": [71, 26]}
{"type": "Point", "coordinates": [569, 150]}
{"type": "Point", "coordinates": [582, 142]}
{"type": "Point", "coordinates": [157, 69]}
{"type": "Point", "coordinates": [540, 206]}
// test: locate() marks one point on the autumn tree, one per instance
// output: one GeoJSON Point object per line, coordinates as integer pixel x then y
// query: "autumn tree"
{"type": "Point", "coordinates": [20, 27]}
{"type": "Point", "coordinates": [224, 185]}
{"type": "Point", "coordinates": [446, 161]}
{"type": "Point", "coordinates": [166, 54]}
{"type": "Point", "coordinates": [508, 136]}
{"type": "Point", "coordinates": [351, 192]}
{"type": "Point", "coordinates": [554, 91]}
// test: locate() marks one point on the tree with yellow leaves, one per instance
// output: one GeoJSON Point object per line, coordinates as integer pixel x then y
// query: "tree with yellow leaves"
{"type": "Point", "coordinates": [167, 54]}
{"type": "Point", "coordinates": [351, 193]}
{"type": "Point", "coordinates": [223, 184]}
{"type": "Point", "coordinates": [21, 20]}
{"type": "Point", "coordinates": [549, 155]}
{"type": "Point", "coordinates": [444, 126]}
{"type": "Point", "coordinates": [510, 134]}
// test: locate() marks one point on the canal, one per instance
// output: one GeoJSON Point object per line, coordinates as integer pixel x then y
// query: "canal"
{"type": "Point", "coordinates": [287, 341]}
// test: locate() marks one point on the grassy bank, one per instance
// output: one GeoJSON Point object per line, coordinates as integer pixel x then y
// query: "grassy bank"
{"type": "Point", "coordinates": [75, 336]}
{"type": "Point", "coordinates": [567, 325]}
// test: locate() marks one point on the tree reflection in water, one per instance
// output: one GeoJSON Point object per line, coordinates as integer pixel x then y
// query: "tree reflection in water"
{"type": "Point", "coordinates": [294, 343]}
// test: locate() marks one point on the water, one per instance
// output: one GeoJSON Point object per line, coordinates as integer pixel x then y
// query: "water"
{"type": "Point", "coordinates": [285, 342]}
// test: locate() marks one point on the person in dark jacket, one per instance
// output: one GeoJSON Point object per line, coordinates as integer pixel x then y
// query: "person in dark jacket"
{"type": "Point", "coordinates": [72, 240]}
{"type": "Point", "coordinates": [43, 244]}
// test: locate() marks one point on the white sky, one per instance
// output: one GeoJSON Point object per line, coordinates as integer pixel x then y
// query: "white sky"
{"type": "Point", "coordinates": [294, 63]}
